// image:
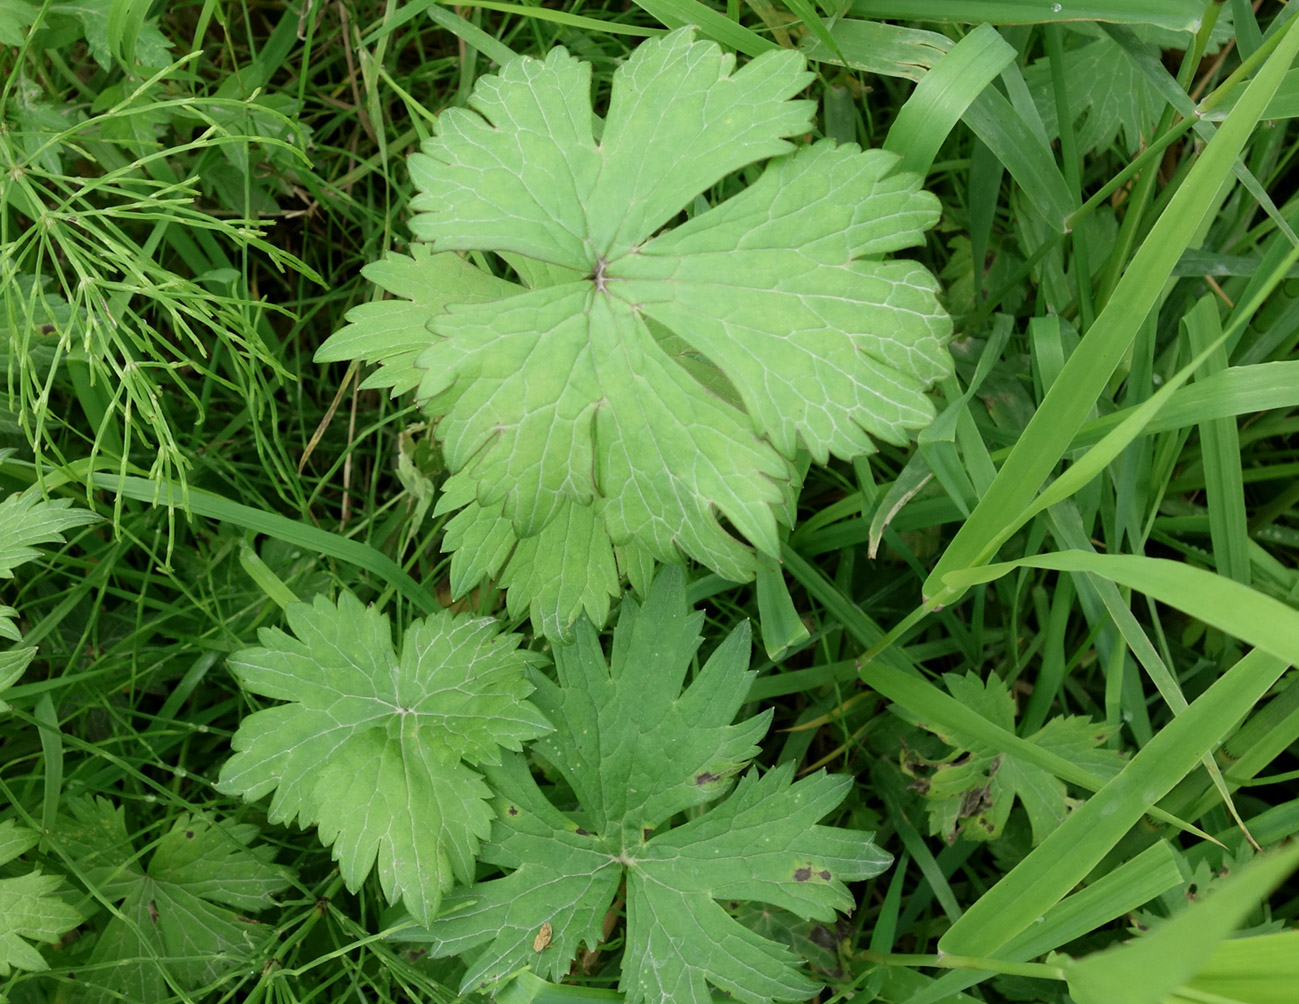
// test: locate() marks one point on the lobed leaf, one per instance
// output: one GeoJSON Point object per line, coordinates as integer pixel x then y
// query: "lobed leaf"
{"type": "Point", "coordinates": [637, 750]}
{"type": "Point", "coordinates": [645, 397]}
{"type": "Point", "coordinates": [30, 909]}
{"type": "Point", "coordinates": [372, 747]}
{"type": "Point", "coordinates": [182, 914]}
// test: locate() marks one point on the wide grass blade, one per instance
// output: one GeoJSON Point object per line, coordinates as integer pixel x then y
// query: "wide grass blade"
{"type": "Point", "coordinates": [944, 93]}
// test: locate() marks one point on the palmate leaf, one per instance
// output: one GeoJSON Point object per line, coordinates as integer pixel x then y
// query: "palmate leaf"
{"type": "Point", "coordinates": [1107, 91]}
{"type": "Point", "coordinates": [29, 908]}
{"type": "Point", "coordinates": [972, 791]}
{"type": "Point", "coordinates": [186, 911]}
{"type": "Point", "coordinates": [27, 520]}
{"type": "Point", "coordinates": [372, 746]}
{"type": "Point", "coordinates": [637, 751]}
{"type": "Point", "coordinates": [664, 380]}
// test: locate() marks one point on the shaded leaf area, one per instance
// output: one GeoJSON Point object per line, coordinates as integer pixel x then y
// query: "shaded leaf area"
{"type": "Point", "coordinates": [181, 917]}
{"type": "Point", "coordinates": [372, 747]}
{"type": "Point", "coordinates": [1108, 96]}
{"type": "Point", "coordinates": [636, 751]}
{"type": "Point", "coordinates": [972, 790]}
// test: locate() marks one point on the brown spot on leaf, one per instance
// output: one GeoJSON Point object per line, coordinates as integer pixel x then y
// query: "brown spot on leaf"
{"type": "Point", "coordinates": [802, 874]}
{"type": "Point", "coordinates": [582, 833]}
{"type": "Point", "coordinates": [153, 912]}
{"type": "Point", "coordinates": [47, 329]}
{"type": "Point", "coordinates": [645, 833]}
{"type": "Point", "coordinates": [707, 777]}
{"type": "Point", "coordinates": [823, 875]}
{"type": "Point", "coordinates": [543, 937]}
{"type": "Point", "coordinates": [512, 811]}
{"type": "Point", "coordinates": [189, 834]}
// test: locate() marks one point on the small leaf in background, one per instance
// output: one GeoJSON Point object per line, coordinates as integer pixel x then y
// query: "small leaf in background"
{"type": "Point", "coordinates": [636, 750]}
{"type": "Point", "coordinates": [972, 790]}
{"type": "Point", "coordinates": [187, 909]}
{"type": "Point", "coordinates": [29, 909]}
{"type": "Point", "coordinates": [15, 16]}
{"type": "Point", "coordinates": [372, 747]}
{"type": "Point", "coordinates": [151, 45]}
{"type": "Point", "coordinates": [1108, 96]}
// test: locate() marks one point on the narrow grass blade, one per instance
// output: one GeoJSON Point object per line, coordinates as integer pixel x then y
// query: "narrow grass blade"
{"type": "Point", "coordinates": [1238, 610]}
{"type": "Point", "coordinates": [886, 49]}
{"type": "Point", "coordinates": [214, 506]}
{"type": "Point", "coordinates": [1240, 390]}
{"type": "Point", "coordinates": [470, 34]}
{"type": "Point", "coordinates": [1023, 153]}
{"type": "Point", "coordinates": [1129, 886]}
{"type": "Point", "coordinates": [1224, 485]}
{"type": "Point", "coordinates": [711, 24]}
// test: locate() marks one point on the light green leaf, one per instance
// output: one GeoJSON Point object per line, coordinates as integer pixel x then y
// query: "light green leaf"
{"type": "Point", "coordinates": [185, 911]}
{"type": "Point", "coordinates": [372, 747]}
{"type": "Point", "coordinates": [15, 16]}
{"type": "Point", "coordinates": [29, 909]}
{"type": "Point", "coordinates": [151, 45]}
{"type": "Point", "coordinates": [636, 751]}
{"type": "Point", "coordinates": [14, 662]}
{"type": "Point", "coordinates": [764, 325]}
{"type": "Point", "coordinates": [26, 520]}
{"type": "Point", "coordinates": [395, 332]}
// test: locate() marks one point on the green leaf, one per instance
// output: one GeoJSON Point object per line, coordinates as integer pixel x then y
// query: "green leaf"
{"type": "Point", "coordinates": [664, 379]}
{"type": "Point", "coordinates": [395, 332]}
{"type": "Point", "coordinates": [1106, 90]}
{"type": "Point", "coordinates": [372, 746]}
{"type": "Point", "coordinates": [29, 908]}
{"type": "Point", "coordinates": [185, 912]}
{"type": "Point", "coordinates": [974, 788]}
{"type": "Point", "coordinates": [15, 16]}
{"type": "Point", "coordinates": [637, 751]}
{"type": "Point", "coordinates": [27, 519]}
{"type": "Point", "coordinates": [151, 45]}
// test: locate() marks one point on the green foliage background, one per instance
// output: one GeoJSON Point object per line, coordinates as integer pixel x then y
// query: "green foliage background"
{"type": "Point", "coordinates": [1050, 638]}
